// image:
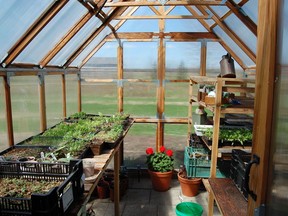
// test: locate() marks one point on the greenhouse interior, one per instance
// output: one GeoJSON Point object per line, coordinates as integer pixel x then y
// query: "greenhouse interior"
{"type": "Point", "coordinates": [160, 107]}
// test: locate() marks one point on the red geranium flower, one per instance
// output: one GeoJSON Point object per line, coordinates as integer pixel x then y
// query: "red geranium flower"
{"type": "Point", "coordinates": [162, 149]}
{"type": "Point", "coordinates": [149, 151]}
{"type": "Point", "coordinates": [169, 152]}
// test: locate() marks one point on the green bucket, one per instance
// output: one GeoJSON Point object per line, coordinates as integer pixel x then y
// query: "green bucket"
{"type": "Point", "coordinates": [189, 209]}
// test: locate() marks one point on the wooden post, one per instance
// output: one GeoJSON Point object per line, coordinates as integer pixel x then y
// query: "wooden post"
{"type": "Point", "coordinates": [160, 89]}
{"type": "Point", "coordinates": [8, 110]}
{"type": "Point", "coordinates": [116, 184]}
{"type": "Point", "coordinates": [42, 102]}
{"type": "Point", "coordinates": [203, 58]}
{"type": "Point", "coordinates": [264, 89]}
{"type": "Point", "coordinates": [120, 94]}
{"type": "Point", "coordinates": [214, 151]}
{"type": "Point", "coordinates": [64, 110]}
{"type": "Point", "coordinates": [79, 92]}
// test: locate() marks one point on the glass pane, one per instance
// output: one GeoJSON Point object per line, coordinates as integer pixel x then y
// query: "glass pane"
{"type": "Point", "coordinates": [3, 125]}
{"type": "Point", "coordinates": [25, 106]}
{"type": "Point", "coordinates": [215, 51]}
{"type": "Point", "coordinates": [139, 137]}
{"type": "Point", "coordinates": [53, 95]}
{"type": "Point", "coordinates": [51, 34]}
{"type": "Point", "coordinates": [184, 25]}
{"type": "Point", "coordinates": [176, 140]}
{"type": "Point", "coordinates": [242, 55]}
{"type": "Point", "coordinates": [71, 94]}
{"type": "Point", "coordinates": [182, 59]}
{"type": "Point", "coordinates": [140, 99]}
{"type": "Point", "coordinates": [251, 9]}
{"type": "Point", "coordinates": [176, 99]}
{"type": "Point", "coordinates": [77, 40]}
{"type": "Point", "coordinates": [140, 65]}
{"type": "Point", "coordinates": [220, 10]}
{"type": "Point", "coordinates": [15, 18]}
{"type": "Point", "coordinates": [242, 31]}
{"type": "Point", "coordinates": [150, 25]}
{"type": "Point", "coordinates": [103, 65]}
{"type": "Point", "coordinates": [99, 97]}
{"type": "Point", "coordinates": [106, 31]}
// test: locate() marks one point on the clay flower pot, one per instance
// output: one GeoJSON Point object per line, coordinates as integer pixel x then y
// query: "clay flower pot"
{"type": "Point", "coordinates": [189, 186]}
{"type": "Point", "coordinates": [160, 180]}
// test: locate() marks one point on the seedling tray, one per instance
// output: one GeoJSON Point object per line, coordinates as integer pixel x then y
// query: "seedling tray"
{"type": "Point", "coordinates": [57, 201]}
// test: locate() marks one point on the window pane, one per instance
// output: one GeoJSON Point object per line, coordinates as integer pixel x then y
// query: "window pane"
{"type": "Point", "coordinates": [140, 99]}
{"type": "Point", "coordinates": [3, 125]}
{"type": "Point", "coordinates": [140, 65]}
{"type": "Point", "coordinates": [53, 95]}
{"type": "Point", "coordinates": [99, 97]}
{"type": "Point", "coordinates": [176, 99]}
{"type": "Point", "coordinates": [71, 94]}
{"type": "Point", "coordinates": [182, 59]}
{"type": "Point", "coordinates": [140, 137]}
{"type": "Point", "coordinates": [215, 51]}
{"type": "Point", "coordinates": [103, 65]}
{"type": "Point", "coordinates": [25, 106]}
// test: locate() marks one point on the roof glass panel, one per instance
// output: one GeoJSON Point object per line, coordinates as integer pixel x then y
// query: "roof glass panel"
{"type": "Point", "coordinates": [74, 43]}
{"type": "Point", "coordinates": [52, 33]}
{"type": "Point", "coordinates": [139, 26]}
{"type": "Point", "coordinates": [220, 10]}
{"type": "Point", "coordinates": [180, 10]}
{"type": "Point", "coordinates": [251, 9]}
{"type": "Point", "coordinates": [208, 21]}
{"type": "Point", "coordinates": [15, 18]}
{"type": "Point", "coordinates": [143, 11]}
{"type": "Point", "coordinates": [242, 31]}
{"type": "Point", "coordinates": [184, 25]}
{"type": "Point", "coordinates": [77, 62]}
{"type": "Point", "coordinates": [239, 52]}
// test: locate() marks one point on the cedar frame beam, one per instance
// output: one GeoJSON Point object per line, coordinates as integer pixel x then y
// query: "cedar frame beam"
{"type": "Point", "coordinates": [264, 96]}
{"type": "Point", "coordinates": [162, 17]}
{"type": "Point", "coordinates": [176, 36]}
{"type": "Point", "coordinates": [157, 3]}
{"type": "Point", "coordinates": [42, 102]}
{"type": "Point", "coordinates": [33, 31]}
{"type": "Point", "coordinates": [8, 106]}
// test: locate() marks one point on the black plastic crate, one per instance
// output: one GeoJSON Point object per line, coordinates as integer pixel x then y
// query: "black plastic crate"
{"type": "Point", "coordinates": [239, 163]}
{"type": "Point", "coordinates": [57, 201]}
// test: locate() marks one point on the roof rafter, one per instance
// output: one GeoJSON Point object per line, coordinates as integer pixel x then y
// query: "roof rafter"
{"type": "Point", "coordinates": [158, 3]}
{"type": "Point", "coordinates": [33, 31]}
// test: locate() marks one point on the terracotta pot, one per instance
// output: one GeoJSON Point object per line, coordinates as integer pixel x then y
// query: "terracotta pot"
{"type": "Point", "coordinates": [161, 180]}
{"type": "Point", "coordinates": [189, 187]}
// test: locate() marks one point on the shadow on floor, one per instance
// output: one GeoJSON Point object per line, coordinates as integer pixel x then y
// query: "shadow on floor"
{"type": "Point", "coordinates": [141, 200]}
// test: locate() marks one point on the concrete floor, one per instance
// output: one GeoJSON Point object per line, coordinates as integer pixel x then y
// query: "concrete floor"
{"type": "Point", "coordinates": [141, 200]}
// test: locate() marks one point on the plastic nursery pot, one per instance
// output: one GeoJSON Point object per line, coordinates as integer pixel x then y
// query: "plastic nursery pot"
{"type": "Point", "coordinates": [189, 209]}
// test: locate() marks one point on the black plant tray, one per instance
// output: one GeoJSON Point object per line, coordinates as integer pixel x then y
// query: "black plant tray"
{"type": "Point", "coordinates": [57, 201]}
{"type": "Point", "coordinates": [42, 141]}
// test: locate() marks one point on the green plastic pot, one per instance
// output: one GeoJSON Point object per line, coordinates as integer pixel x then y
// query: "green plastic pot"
{"type": "Point", "coordinates": [189, 209]}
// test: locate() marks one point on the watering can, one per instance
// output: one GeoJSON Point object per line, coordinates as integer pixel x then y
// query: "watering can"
{"type": "Point", "coordinates": [227, 66]}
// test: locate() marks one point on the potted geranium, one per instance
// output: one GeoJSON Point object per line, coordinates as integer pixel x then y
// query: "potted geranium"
{"type": "Point", "coordinates": [160, 168]}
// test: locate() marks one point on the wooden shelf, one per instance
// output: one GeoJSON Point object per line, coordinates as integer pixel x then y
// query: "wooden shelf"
{"type": "Point", "coordinates": [229, 199]}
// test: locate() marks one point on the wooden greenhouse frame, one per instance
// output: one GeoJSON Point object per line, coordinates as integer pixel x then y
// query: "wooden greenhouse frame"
{"type": "Point", "coordinates": [122, 11]}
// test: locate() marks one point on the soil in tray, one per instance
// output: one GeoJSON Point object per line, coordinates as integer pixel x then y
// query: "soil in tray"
{"type": "Point", "coordinates": [23, 188]}
{"type": "Point", "coordinates": [22, 153]}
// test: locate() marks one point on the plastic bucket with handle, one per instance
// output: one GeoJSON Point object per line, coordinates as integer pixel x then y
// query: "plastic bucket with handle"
{"type": "Point", "coordinates": [189, 209]}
